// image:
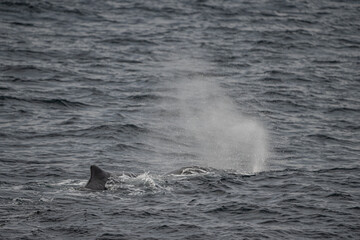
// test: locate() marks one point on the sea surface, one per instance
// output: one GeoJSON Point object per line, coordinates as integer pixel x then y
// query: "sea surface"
{"type": "Point", "coordinates": [264, 95]}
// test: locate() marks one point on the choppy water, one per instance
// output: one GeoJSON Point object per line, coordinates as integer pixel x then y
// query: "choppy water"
{"type": "Point", "coordinates": [264, 93]}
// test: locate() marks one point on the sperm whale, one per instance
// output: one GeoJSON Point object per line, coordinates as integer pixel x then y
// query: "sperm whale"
{"type": "Point", "coordinates": [99, 177]}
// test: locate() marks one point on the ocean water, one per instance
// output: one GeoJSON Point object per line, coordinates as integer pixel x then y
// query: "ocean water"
{"type": "Point", "coordinates": [263, 94]}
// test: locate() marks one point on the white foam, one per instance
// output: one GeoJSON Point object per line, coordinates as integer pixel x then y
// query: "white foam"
{"type": "Point", "coordinates": [71, 182]}
{"type": "Point", "coordinates": [135, 185]}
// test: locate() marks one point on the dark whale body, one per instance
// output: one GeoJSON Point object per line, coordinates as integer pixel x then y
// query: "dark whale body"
{"type": "Point", "coordinates": [98, 178]}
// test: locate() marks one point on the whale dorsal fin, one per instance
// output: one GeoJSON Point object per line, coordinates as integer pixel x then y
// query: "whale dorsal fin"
{"type": "Point", "coordinates": [97, 179]}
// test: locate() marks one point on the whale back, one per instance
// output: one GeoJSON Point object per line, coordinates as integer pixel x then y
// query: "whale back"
{"type": "Point", "coordinates": [98, 178]}
{"type": "Point", "coordinates": [190, 170]}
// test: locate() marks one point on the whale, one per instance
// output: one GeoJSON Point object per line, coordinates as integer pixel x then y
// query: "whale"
{"type": "Point", "coordinates": [99, 177]}
{"type": "Point", "coordinates": [190, 170]}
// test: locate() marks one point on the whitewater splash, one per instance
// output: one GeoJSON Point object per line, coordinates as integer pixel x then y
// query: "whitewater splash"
{"type": "Point", "coordinates": [219, 133]}
{"type": "Point", "coordinates": [135, 184]}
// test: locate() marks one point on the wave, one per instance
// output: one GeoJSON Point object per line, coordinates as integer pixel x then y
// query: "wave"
{"type": "Point", "coordinates": [41, 6]}
{"type": "Point", "coordinates": [22, 68]}
{"type": "Point", "coordinates": [144, 97]}
{"type": "Point", "coordinates": [52, 103]}
{"type": "Point", "coordinates": [328, 138]}
{"type": "Point", "coordinates": [343, 110]}
{"type": "Point", "coordinates": [128, 41]}
{"type": "Point", "coordinates": [116, 132]}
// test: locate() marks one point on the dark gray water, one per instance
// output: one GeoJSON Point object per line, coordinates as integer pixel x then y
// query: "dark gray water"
{"type": "Point", "coordinates": [264, 93]}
